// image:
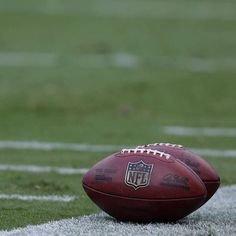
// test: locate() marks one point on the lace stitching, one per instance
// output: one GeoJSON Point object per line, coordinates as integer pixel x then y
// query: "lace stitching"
{"type": "Point", "coordinates": [146, 151]}
{"type": "Point", "coordinates": [161, 144]}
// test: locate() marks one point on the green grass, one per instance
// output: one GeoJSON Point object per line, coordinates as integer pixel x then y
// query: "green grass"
{"type": "Point", "coordinates": [51, 158]}
{"type": "Point", "coordinates": [225, 169]}
{"type": "Point", "coordinates": [40, 212]}
{"type": "Point", "coordinates": [72, 103]}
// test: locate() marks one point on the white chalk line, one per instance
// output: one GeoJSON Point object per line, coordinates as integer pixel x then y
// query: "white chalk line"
{"type": "Point", "coordinates": [38, 59]}
{"type": "Point", "coordinates": [119, 60]}
{"type": "Point", "coordinates": [46, 198]}
{"type": "Point", "coordinates": [42, 169]}
{"type": "Point", "coordinates": [36, 145]}
{"type": "Point", "coordinates": [44, 146]}
{"type": "Point", "coordinates": [129, 9]}
{"type": "Point", "coordinates": [19, 59]}
{"type": "Point", "coordinates": [205, 131]}
{"type": "Point", "coordinates": [195, 64]}
{"type": "Point", "coordinates": [205, 152]}
{"type": "Point", "coordinates": [217, 217]}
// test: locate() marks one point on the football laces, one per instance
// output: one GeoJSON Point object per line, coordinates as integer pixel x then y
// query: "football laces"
{"type": "Point", "coordinates": [145, 151]}
{"type": "Point", "coordinates": [161, 144]}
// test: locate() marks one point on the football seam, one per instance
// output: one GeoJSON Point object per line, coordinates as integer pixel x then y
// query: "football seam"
{"type": "Point", "coordinates": [194, 173]}
{"type": "Point", "coordinates": [144, 199]}
{"type": "Point", "coordinates": [146, 151]}
{"type": "Point", "coordinates": [170, 160]}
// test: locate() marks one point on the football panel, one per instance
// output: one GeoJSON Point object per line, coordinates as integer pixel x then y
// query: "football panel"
{"type": "Point", "coordinates": [211, 188]}
{"type": "Point", "coordinates": [143, 210]}
{"type": "Point", "coordinates": [200, 166]}
{"type": "Point", "coordinates": [165, 180]}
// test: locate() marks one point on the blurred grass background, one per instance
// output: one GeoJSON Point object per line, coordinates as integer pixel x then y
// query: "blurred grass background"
{"type": "Point", "coordinates": [108, 72]}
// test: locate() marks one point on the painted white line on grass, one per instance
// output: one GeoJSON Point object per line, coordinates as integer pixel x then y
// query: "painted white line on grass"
{"type": "Point", "coordinates": [214, 152]}
{"type": "Point", "coordinates": [36, 145]}
{"type": "Point", "coordinates": [50, 198]}
{"type": "Point", "coordinates": [19, 59]}
{"type": "Point", "coordinates": [195, 64]}
{"type": "Point", "coordinates": [206, 131]}
{"type": "Point", "coordinates": [25, 59]}
{"type": "Point", "coordinates": [217, 217]}
{"type": "Point", "coordinates": [129, 9]}
{"type": "Point", "coordinates": [119, 60]}
{"type": "Point", "coordinates": [42, 169]}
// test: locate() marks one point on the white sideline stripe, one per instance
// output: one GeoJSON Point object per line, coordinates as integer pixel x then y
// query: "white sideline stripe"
{"type": "Point", "coordinates": [50, 198]}
{"type": "Point", "coordinates": [119, 60]}
{"type": "Point", "coordinates": [58, 146]}
{"type": "Point", "coordinates": [18, 59]}
{"type": "Point", "coordinates": [129, 9]}
{"type": "Point", "coordinates": [214, 153]}
{"type": "Point", "coordinates": [36, 145]}
{"type": "Point", "coordinates": [24, 59]}
{"type": "Point", "coordinates": [217, 217]}
{"type": "Point", "coordinates": [195, 64]}
{"type": "Point", "coordinates": [42, 169]}
{"type": "Point", "coordinates": [207, 131]}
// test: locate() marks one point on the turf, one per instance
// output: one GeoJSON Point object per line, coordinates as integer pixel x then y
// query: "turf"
{"type": "Point", "coordinates": [73, 102]}
{"type": "Point", "coordinates": [216, 218]}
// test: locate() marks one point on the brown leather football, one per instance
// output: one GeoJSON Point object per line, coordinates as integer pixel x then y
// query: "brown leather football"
{"type": "Point", "coordinates": [200, 166]}
{"type": "Point", "coordinates": [144, 185]}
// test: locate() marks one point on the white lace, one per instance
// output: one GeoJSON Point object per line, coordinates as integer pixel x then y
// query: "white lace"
{"type": "Point", "coordinates": [146, 151]}
{"type": "Point", "coordinates": [161, 144]}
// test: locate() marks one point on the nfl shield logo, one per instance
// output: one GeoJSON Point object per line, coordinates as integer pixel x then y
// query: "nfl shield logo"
{"type": "Point", "coordinates": [138, 174]}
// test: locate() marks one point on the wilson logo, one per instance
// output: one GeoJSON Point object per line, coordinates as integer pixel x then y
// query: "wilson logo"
{"type": "Point", "coordinates": [138, 174]}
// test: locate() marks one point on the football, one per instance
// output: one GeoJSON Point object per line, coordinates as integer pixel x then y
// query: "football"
{"type": "Point", "coordinates": [200, 166]}
{"type": "Point", "coordinates": [144, 185]}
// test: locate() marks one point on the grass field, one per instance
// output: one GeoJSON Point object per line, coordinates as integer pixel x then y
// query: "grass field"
{"type": "Point", "coordinates": [108, 73]}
